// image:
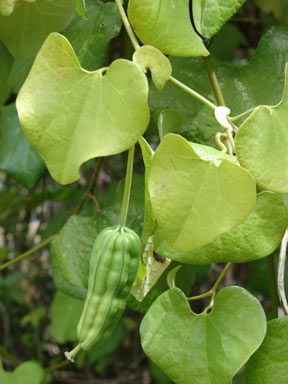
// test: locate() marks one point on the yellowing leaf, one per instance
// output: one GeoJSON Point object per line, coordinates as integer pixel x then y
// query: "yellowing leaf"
{"type": "Point", "coordinates": [71, 115]}
{"type": "Point", "coordinates": [197, 192]}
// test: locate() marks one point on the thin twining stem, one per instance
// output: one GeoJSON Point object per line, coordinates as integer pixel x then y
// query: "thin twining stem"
{"type": "Point", "coordinates": [28, 253]}
{"type": "Point", "coordinates": [127, 25]}
{"type": "Point", "coordinates": [243, 114]}
{"type": "Point", "coordinates": [281, 271]}
{"type": "Point", "coordinates": [191, 91]}
{"type": "Point", "coordinates": [212, 291]}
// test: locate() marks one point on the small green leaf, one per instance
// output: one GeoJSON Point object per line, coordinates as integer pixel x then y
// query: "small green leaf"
{"type": "Point", "coordinates": [80, 8]}
{"type": "Point", "coordinates": [29, 372]}
{"type": "Point", "coordinates": [17, 156]}
{"type": "Point", "coordinates": [171, 277]}
{"type": "Point", "coordinates": [270, 363]}
{"type": "Point", "coordinates": [166, 26]}
{"type": "Point", "coordinates": [70, 115]}
{"type": "Point", "coordinates": [211, 15]}
{"type": "Point", "coordinates": [28, 26]}
{"type": "Point", "coordinates": [90, 38]}
{"type": "Point", "coordinates": [258, 236]}
{"type": "Point", "coordinates": [208, 348]}
{"type": "Point", "coordinates": [261, 144]}
{"type": "Point", "coordinates": [65, 312]}
{"type": "Point", "coordinates": [148, 57]}
{"type": "Point", "coordinates": [182, 183]}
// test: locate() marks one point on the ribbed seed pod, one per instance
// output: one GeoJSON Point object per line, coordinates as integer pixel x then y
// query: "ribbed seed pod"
{"type": "Point", "coordinates": [113, 266]}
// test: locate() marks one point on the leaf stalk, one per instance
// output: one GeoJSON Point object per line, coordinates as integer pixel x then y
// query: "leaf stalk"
{"type": "Point", "coordinates": [127, 189]}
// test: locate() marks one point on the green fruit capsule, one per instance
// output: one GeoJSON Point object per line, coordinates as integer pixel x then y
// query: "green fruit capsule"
{"type": "Point", "coordinates": [113, 266]}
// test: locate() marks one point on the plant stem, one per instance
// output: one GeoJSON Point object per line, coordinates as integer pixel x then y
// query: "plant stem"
{"type": "Point", "coordinates": [128, 181]}
{"type": "Point", "coordinates": [28, 253]}
{"type": "Point", "coordinates": [212, 291]}
{"type": "Point", "coordinates": [55, 367]}
{"type": "Point", "coordinates": [243, 114]}
{"type": "Point", "coordinates": [281, 272]}
{"type": "Point", "coordinates": [91, 186]}
{"type": "Point", "coordinates": [127, 25]}
{"type": "Point", "coordinates": [273, 286]}
{"type": "Point", "coordinates": [214, 81]}
{"type": "Point", "coordinates": [193, 93]}
{"type": "Point", "coordinates": [9, 356]}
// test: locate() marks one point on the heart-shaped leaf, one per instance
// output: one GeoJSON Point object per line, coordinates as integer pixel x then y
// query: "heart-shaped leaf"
{"type": "Point", "coordinates": [270, 363]}
{"type": "Point", "coordinates": [166, 26]}
{"type": "Point", "coordinates": [206, 348]}
{"type": "Point", "coordinates": [197, 192]}
{"type": "Point", "coordinates": [261, 144]}
{"type": "Point", "coordinates": [70, 115]}
{"type": "Point", "coordinates": [257, 237]}
{"type": "Point", "coordinates": [30, 23]}
{"type": "Point", "coordinates": [148, 57]}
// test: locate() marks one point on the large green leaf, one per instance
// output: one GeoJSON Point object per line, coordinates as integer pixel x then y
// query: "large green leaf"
{"type": "Point", "coordinates": [166, 26]}
{"type": "Point", "coordinates": [261, 144]}
{"type": "Point", "coordinates": [6, 64]}
{"type": "Point", "coordinates": [244, 86]}
{"type": "Point", "coordinates": [90, 38]}
{"type": "Point", "coordinates": [257, 237]}
{"type": "Point", "coordinates": [211, 15]}
{"type": "Point", "coordinates": [71, 115]}
{"type": "Point", "coordinates": [270, 363]}
{"type": "Point", "coordinates": [17, 156]}
{"type": "Point", "coordinates": [28, 26]}
{"type": "Point", "coordinates": [29, 372]}
{"type": "Point", "coordinates": [197, 192]}
{"type": "Point", "coordinates": [206, 348]}
{"type": "Point", "coordinates": [65, 312]}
